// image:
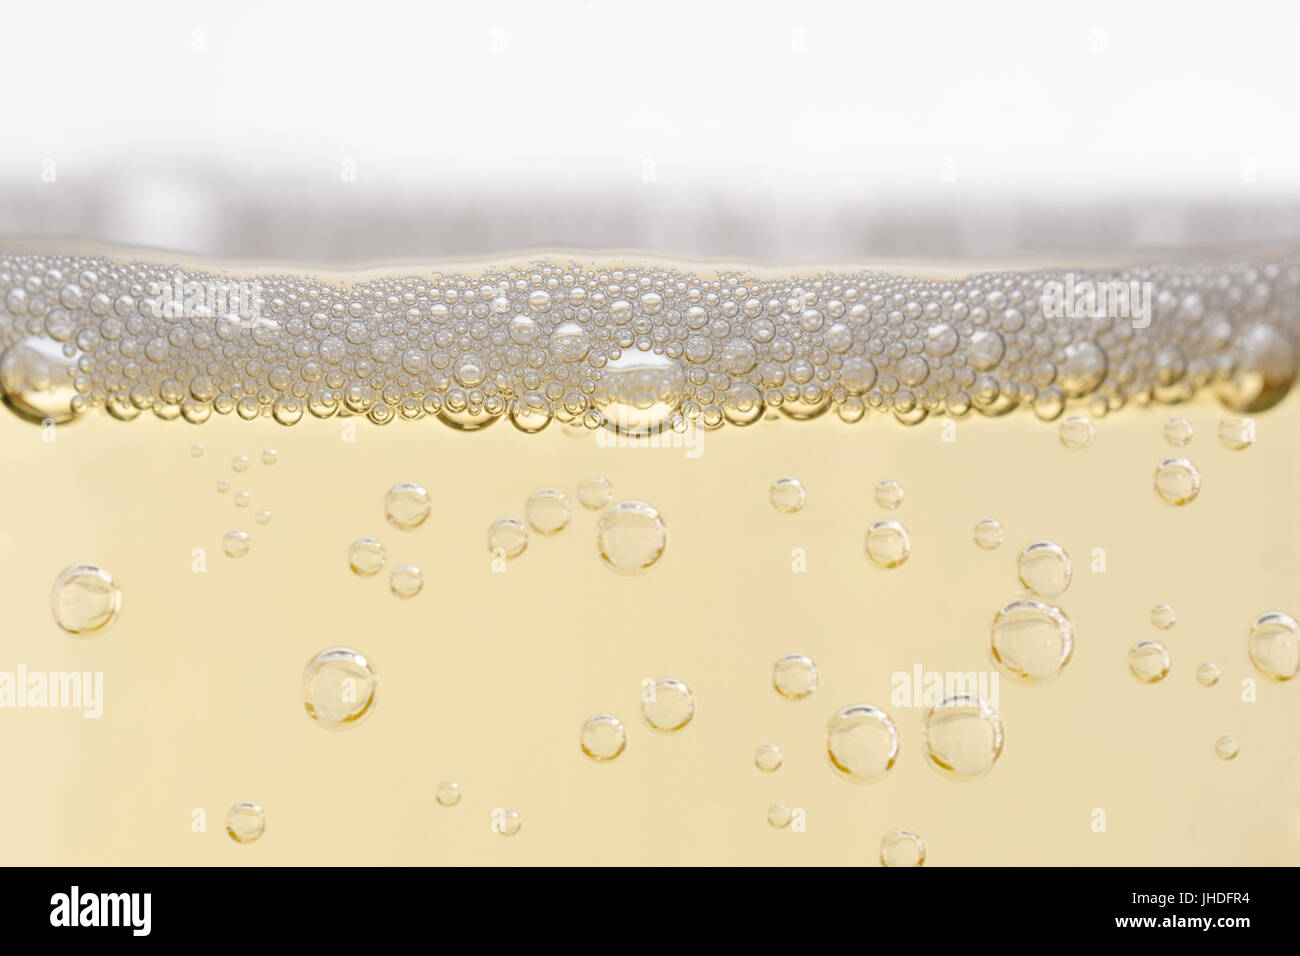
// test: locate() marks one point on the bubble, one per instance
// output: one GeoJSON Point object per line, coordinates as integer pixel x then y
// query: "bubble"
{"type": "Point", "coordinates": [548, 511]}
{"type": "Point", "coordinates": [245, 822]}
{"type": "Point", "coordinates": [405, 580]}
{"type": "Point", "coordinates": [862, 743]}
{"type": "Point", "coordinates": [1263, 372]}
{"type": "Point", "coordinates": [902, 848]}
{"type": "Point", "coordinates": [1274, 645]}
{"type": "Point", "coordinates": [235, 543]}
{"type": "Point", "coordinates": [639, 391]}
{"type": "Point", "coordinates": [795, 676]}
{"type": "Point", "coordinates": [1207, 674]}
{"type": "Point", "coordinates": [888, 545]}
{"type": "Point", "coordinates": [34, 383]}
{"type": "Point", "coordinates": [263, 516]}
{"type": "Point", "coordinates": [889, 494]}
{"type": "Point", "coordinates": [407, 505]}
{"type": "Point", "coordinates": [963, 737]}
{"type": "Point", "coordinates": [788, 495]}
{"type": "Point", "coordinates": [242, 498]}
{"type": "Point", "coordinates": [769, 758]}
{"type": "Point", "coordinates": [1031, 641]}
{"type": "Point", "coordinates": [630, 536]}
{"type": "Point", "coordinates": [989, 534]}
{"type": "Point", "coordinates": [1237, 434]}
{"type": "Point", "coordinates": [594, 493]}
{"type": "Point", "coordinates": [603, 737]}
{"type": "Point", "coordinates": [239, 463]}
{"type": "Point", "coordinates": [1077, 432]}
{"type": "Point", "coordinates": [507, 535]}
{"type": "Point", "coordinates": [338, 688]}
{"type": "Point", "coordinates": [1163, 617]}
{"type": "Point", "coordinates": [196, 450]}
{"type": "Point", "coordinates": [223, 485]}
{"type": "Point", "coordinates": [1044, 569]}
{"type": "Point", "coordinates": [1177, 481]}
{"type": "Point", "coordinates": [1178, 432]}
{"type": "Point", "coordinates": [779, 815]}
{"type": "Point", "coordinates": [448, 793]}
{"type": "Point", "coordinates": [1226, 747]}
{"type": "Point", "coordinates": [506, 822]}
{"type": "Point", "coordinates": [270, 456]}
{"type": "Point", "coordinates": [669, 705]}
{"type": "Point", "coordinates": [1148, 661]}
{"type": "Point", "coordinates": [366, 557]}
{"type": "Point", "coordinates": [85, 599]}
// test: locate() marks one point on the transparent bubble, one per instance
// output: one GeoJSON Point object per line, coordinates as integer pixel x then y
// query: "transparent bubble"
{"type": "Point", "coordinates": [1077, 432]}
{"type": "Point", "coordinates": [1237, 434]}
{"type": "Point", "coordinates": [668, 705]}
{"type": "Point", "coordinates": [989, 534]}
{"type": "Point", "coordinates": [862, 743]}
{"type": "Point", "coordinates": [779, 815]}
{"type": "Point", "coordinates": [639, 391]}
{"type": "Point", "coordinates": [239, 463]}
{"type": "Point", "coordinates": [245, 822]}
{"type": "Point", "coordinates": [1226, 747]}
{"type": "Point", "coordinates": [1178, 432]}
{"type": "Point", "coordinates": [270, 456]}
{"type": "Point", "coordinates": [407, 505]}
{"type": "Point", "coordinates": [405, 580]}
{"type": "Point", "coordinates": [769, 758]}
{"type": "Point", "coordinates": [1274, 645]}
{"type": "Point", "coordinates": [1163, 617]}
{"type": "Point", "coordinates": [902, 848]}
{"type": "Point", "coordinates": [85, 599]}
{"type": "Point", "coordinates": [594, 493]}
{"type": "Point", "coordinates": [1031, 641]}
{"type": "Point", "coordinates": [630, 536]}
{"type": "Point", "coordinates": [1177, 481]}
{"type": "Point", "coordinates": [507, 535]}
{"type": "Point", "coordinates": [963, 737]}
{"type": "Point", "coordinates": [795, 676]}
{"type": "Point", "coordinates": [235, 543]}
{"type": "Point", "coordinates": [506, 822]}
{"type": "Point", "coordinates": [603, 737]}
{"type": "Point", "coordinates": [263, 516]}
{"type": "Point", "coordinates": [223, 485]}
{"type": "Point", "coordinates": [889, 494]}
{"type": "Point", "coordinates": [548, 511]}
{"type": "Point", "coordinates": [242, 499]}
{"type": "Point", "coordinates": [1044, 569]}
{"type": "Point", "coordinates": [888, 545]}
{"type": "Point", "coordinates": [35, 385]}
{"type": "Point", "coordinates": [788, 495]}
{"type": "Point", "coordinates": [338, 688]}
{"type": "Point", "coordinates": [1263, 372]}
{"type": "Point", "coordinates": [196, 450]}
{"type": "Point", "coordinates": [1148, 661]}
{"type": "Point", "coordinates": [448, 793]}
{"type": "Point", "coordinates": [366, 557]}
{"type": "Point", "coordinates": [1207, 674]}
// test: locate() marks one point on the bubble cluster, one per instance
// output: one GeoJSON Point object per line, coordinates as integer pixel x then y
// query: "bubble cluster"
{"type": "Point", "coordinates": [639, 347]}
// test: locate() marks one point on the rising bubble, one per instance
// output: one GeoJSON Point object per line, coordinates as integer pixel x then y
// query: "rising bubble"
{"type": "Point", "coordinates": [1148, 661]}
{"type": "Point", "coordinates": [888, 544]}
{"type": "Point", "coordinates": [507, 535]}
{"type": "Point", "coordinates": [989, 534]}
{"type": "Point", "coordinates": [902, 848]}
{"type": "Point", "coordinates": [235, 543]}
{"type": "Point", "coordinates": [1177, 481]}
{"type": "Point", "coordinates": [1031, 641]}
{"type": "Point", "coordinates": [668, 705]}
{"type": "Point", "coordinates": [85, 599]}
{"type": "Point", "coordinates": [769, 758]}
{"type": "Point", "coordinates": [630, 536]}
{"type": "Point", "coordinates": [338, 687]}
{"type": "Point", "coordinates": [795, 676]}
{"type": "Point", "coordinates": [548, 511]}
{"type": "Point", "coordinates": [963, 737]}
{"type": "Point", "coordinates": [407, 505]}
{"type": "Point", "coordinates": [594, 493]}
{"type": "Point", "coordinates": [603, 737]}
{"type": "Point", "coordinates": [788, 495]}
{"type": "Point", "coordinates": [1274, 645]}
{"type": "Point", "coordinates": [862, 743]}
{"type": "Point", "coordinates": [245, 822]}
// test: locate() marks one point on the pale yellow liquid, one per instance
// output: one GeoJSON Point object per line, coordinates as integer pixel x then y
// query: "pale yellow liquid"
{"type": "Point", "coordinates": [486, 678]}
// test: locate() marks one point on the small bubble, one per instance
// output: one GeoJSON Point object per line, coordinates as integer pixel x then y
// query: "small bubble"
{"type": "Point", "coordinates": [769, 758]}
{"type": "Point", "coordinates": [1077, 432]}
{"type": "Point", "coordinates": [264, 516]}
{"type": "Point", "coordinates": [196, 450]}
{"type": "Point", "coordinates": [1237, 434]}
{"type": "Point", "coordinates": [1274, 645]}
{"type": "Point", "coordinates": [448, 793]}
{"type": "Point", "coordinates": [668, 706]}
{"type": "Point", "coordinates": [862, 743]}
{"type": "Point", "coordinates": [795, 676]}
{"type": "Point", "coordinates": [630, 536]}
{"type": "Point", "coordinates": [223, 485]}
{"type": "Point", "coordinates": [889, 494]}
{"type": "Point", "coordinates": [788, 495]}
{"type": "Point", "coordinates": [1207, 674]}
{"type": "Point", "coordinates": [1163, 617]}
{"type": "Point", "coordinates": [85, 599]}
{"type": "Point", "coordinates": [1031, 641]}
{"type": "Point", "coordinates": [239, 463]}
{"type": "Point", "coordinates": [548, 511]}
{"type": "Point", "coordinates": [366, 557]}
{"type": "Point", "coordinates": [603, 737]}
{"type": "Point", "coordinates": [902, 848]}
{"type": "Point", "coordinates": [1177, 481]}
{"type": "Point", "coordinates": [888, 544]}
{"type": "Point", "coordinates": [989, 534]}
{"type": "Point", "coordinates": [508, 535]}
{"type": "Point", "coordinates": [1044, 569]}
{"type": "Point", "coordinates": [338, 687]}
{"type": "Point", "coordinates": [270, 456]}
{"type": "Point", "coordinates": [963, 737]}
{"type": "Point", "coordinates": [1227, 747]}
{"type": "Point", "coordinates": [235, 543]}
{"type": "Point", "coordinates": [245, 822]}
{"type": "Point", "coordinates": [407, 505]}
{"type": "Point", "coordinates": [242, 498]}
{"type": "Point", "coordinates": [779, 815]}
{"type": "Point", "coordinates": [1178, 432]}
{"type": "Point", "coordinates": [405, 580]}
{"type": "Point", "coordinates": [594, 493]}
{"type": "Point", "coordinates": [506, 822]}
{"type": "Point", "coordinates": [1149, 661]}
